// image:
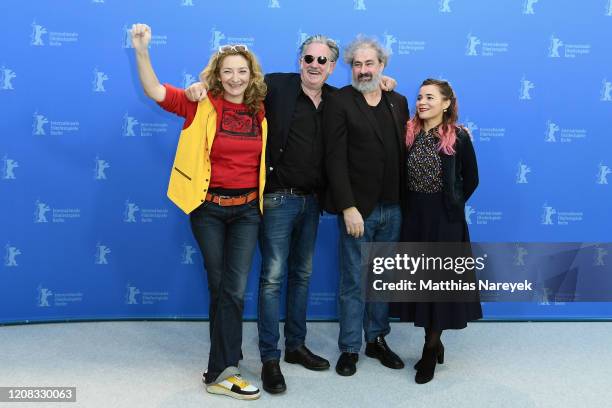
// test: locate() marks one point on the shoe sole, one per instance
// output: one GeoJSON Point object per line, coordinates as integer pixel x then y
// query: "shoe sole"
{"type": "Point", "coordinates": [274, 391]}
{"type": "Point", "coordinates": [218, 390]}
{"type": "Point", "coordinates": [423, 381]}
{"type": "Point", "coordinates": [346, 374]}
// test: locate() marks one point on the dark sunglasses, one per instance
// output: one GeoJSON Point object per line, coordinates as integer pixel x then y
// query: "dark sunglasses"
{"type": "Point", "coordinates": [309, 59]}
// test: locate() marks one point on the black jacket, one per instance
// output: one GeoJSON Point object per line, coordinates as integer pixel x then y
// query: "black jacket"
{"type": "Point", "coordinates": [283, 91]}
{"type": "Point", "coordinates": [460, 176]}
{"type": "Point", "coordinates": [355, 156]}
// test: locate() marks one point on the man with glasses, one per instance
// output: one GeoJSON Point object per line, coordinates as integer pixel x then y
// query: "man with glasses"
{"type": "Point", "coordinates": [291, 207]}
{"type": "Point", "coordinates": [294, 185]}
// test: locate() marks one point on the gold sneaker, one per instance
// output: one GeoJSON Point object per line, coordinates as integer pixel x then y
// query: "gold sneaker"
{"type": "Point", "coordinates": [234, 386]}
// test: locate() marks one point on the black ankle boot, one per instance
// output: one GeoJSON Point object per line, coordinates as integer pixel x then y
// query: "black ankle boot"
{"type": "Point", "coordinates": [427, 364]}
{"type": "Point", "coordinates": [439, 355]}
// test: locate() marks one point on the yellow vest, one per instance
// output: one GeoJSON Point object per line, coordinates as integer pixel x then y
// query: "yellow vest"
{"type": "Point", "coordinates": [190, 174]}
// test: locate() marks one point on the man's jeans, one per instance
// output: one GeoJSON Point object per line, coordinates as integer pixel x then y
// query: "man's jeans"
{"type": "Point", "coordinates": [382, 225]}
{"type": "Point", "coordinates": [287, 240]}
{"type": "Point", "coordinates": [227, 237]}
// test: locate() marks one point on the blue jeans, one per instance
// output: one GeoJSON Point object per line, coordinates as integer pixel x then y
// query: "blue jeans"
{"type": "Point", "coordinates": [227, 237]}
{"type": "Point", "coordinates": [287, 241]}
{"type": "Point", "coordinates": [382, 225]}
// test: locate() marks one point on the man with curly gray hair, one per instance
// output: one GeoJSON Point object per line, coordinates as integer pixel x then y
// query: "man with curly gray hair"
{"type": "Point", "coordinates": [368, 81]}
{"type": "Point", "coordinates": [364, 130]}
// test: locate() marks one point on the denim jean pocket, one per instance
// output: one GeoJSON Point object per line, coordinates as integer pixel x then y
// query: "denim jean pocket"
{"type": "Point", "coordinates": [272, 201]}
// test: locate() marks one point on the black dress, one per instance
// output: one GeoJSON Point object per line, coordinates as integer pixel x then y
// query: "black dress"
{"type": "Point", "coordinates": [426, 220]}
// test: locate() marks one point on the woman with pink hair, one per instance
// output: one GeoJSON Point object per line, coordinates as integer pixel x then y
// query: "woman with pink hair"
{"type": "Point", "coordinates": [441, 176]}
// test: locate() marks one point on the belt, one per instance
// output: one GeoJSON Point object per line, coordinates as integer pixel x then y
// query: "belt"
{"type": "Point", "coordinates": [291, 191]}
{"type": "Point", "coordinates": [227, 201]}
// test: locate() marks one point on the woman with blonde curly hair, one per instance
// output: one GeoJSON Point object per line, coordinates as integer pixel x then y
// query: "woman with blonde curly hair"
{"type": "Point", "coordinates": [218, 178]}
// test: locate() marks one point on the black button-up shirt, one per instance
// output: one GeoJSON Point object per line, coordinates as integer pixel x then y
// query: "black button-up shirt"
{"type": "Point", "coordinates": [301, 160]}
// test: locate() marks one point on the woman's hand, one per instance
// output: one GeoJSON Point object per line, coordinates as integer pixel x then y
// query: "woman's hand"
{"type": "Point", "coordinates": [141, 36]}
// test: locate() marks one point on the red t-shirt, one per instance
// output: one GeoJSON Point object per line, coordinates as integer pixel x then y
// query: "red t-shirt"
{"type": "Point", "coordinates": [236, 150]}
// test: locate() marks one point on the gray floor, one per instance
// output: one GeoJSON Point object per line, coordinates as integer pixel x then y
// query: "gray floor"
{"type": "Point", "coordinates": [159, 364]}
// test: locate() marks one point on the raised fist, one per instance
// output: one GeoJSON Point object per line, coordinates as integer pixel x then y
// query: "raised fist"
{"type": "Point", "coordinates": [141, 36]}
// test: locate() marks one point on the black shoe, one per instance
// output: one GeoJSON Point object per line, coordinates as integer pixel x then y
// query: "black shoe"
{"type": "Point", "coordinates": [272, 377]}
{"type": "Point", "coordinates": [380, 350]}
{"type": "Point", "coordinates": [439, 356]}
{"type": "Point", "coordinates": [307, 358]}
{"type": "Point", "coordinates": [427, 365]}
{"type": "Point", "coordinates": [347, 364]}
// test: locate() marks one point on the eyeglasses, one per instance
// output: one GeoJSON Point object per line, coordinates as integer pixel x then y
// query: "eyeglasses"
{"type": "Point", "coordinates": [310, 58]}
{"type": "Point", "coordinates": [233, 47]}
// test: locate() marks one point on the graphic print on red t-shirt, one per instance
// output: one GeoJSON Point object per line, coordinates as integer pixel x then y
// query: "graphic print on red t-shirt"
{"type": "Point", "coordinates": [237, 123]}
{"type": "Point", "coordinates": [237, 148]}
